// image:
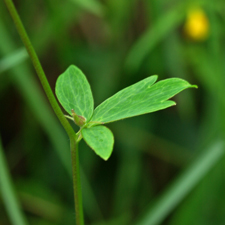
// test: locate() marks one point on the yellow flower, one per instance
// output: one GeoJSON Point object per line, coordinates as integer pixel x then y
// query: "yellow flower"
{"type": "Point", "coordinates": [196, 26]}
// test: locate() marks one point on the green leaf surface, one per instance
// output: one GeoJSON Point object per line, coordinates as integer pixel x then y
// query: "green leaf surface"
{"type": "Point", "coordinates": [73, 92]}
{"type": "Point", "coordinates": [140, 98]}
{"type": "Point", "coordinates": [100, 139]}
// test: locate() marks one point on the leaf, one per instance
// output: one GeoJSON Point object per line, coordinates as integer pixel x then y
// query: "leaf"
{"type": "Point", "coordinates": [100, 139]}
{"type": "Point", "coordinates": [140, 98]}
{"type": "Point", "coordinates": [73, 92]}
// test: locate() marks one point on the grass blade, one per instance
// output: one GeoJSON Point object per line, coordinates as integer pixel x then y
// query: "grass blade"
{"type": "Point", "coordinates": [8, 195]}
{"type": "Point", "coordinates": [13, 59]}
{"type": "Point", "coordinates": [183, 185]}
{"type": "Point", "coordinates": [153, 36]}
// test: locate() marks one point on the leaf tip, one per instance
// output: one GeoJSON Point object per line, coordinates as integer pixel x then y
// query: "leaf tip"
{"type": "Point", "coordinates": [171, 103]}
{"type": "Point", "coordinates": [194, 86]}
{"type": "Point", "coordinates": [155, 77]}
{"type": "Point", "coordinates": [106, 158]}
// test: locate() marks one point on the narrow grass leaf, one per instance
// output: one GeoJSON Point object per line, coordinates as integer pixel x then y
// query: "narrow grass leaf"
{"type": "Point", "coordinates": [8, 194]}
{"type": "Point", "coordinates": [183, 185]}
{"type": "Point", "coordinates": [152, 36]}
{"type": "Point", "coordinates": [73, 92]}
{"type": "Point", "coordinates": [13, 59]}
{"type": "Point", "coordinates": [100, 139]}
{"type": "Point", "coordinates": [140, 98]}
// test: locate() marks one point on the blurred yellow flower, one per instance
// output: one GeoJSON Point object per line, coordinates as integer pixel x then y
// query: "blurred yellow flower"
{"type": "Point", "coordinates": [196, 26]}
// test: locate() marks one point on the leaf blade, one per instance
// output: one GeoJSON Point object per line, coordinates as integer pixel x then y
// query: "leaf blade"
{"type": "Point", "coordinates": [74, 92]}
{"type": "Point", "coordinates": [140, 98]}
{"type": "Point", "coordinates": [100, 139]}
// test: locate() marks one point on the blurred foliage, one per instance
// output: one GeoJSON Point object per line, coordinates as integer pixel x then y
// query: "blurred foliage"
{"type": "Point", "coordinates": [117, 43]}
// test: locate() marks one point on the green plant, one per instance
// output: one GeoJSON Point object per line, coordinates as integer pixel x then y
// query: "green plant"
{"type": "Point", "coordinates": [140, 98]}
{"type": "Point", "coordinates": [74, 93]}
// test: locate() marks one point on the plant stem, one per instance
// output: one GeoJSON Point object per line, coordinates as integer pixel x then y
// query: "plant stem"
{"type": "Point", "coordinates": [76, 183]}
{"type": "Point", "coordinates": [72, 136]}
{"type": "Point", "coordinates": [37, 65]}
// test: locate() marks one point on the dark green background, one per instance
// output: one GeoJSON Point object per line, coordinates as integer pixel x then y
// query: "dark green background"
{"type": "Point", "coordinates": [116, 43]}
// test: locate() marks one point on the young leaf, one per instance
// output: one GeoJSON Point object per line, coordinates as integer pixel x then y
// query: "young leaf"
{"type": "Point", "coordinates": [100, 139]}
{"type": "Point", "coordinates": [73, 92]}
{"type": "Point", "coordinates": [140, 98]}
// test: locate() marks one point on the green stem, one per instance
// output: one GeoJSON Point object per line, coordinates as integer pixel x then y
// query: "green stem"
{"type": "Point", "coordinates": [72, 136]}
{"type": "Point", "coordinates": [76, 183]}
{"type": "Point", "coordinates": [37, 65]}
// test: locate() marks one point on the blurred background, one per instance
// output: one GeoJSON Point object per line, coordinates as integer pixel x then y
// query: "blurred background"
{"type": "Point", "coordinates": [167, 167]}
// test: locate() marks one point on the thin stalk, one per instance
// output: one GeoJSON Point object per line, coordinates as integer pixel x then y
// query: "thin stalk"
{"type": "Point", "coordinates": [76, 182]}
{"type": "Point", "coordinates": [37, 65]}
{"type": "Point", "coordinates": [72, 136]}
